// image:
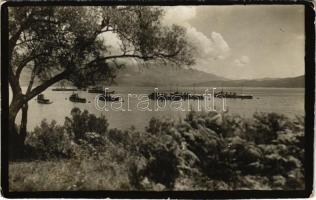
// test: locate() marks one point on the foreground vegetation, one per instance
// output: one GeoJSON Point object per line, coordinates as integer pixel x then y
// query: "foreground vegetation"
{"type": "Point", "coordinates": [205, 151]}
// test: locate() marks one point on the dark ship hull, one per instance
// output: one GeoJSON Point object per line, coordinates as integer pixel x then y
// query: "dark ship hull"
{"type": "Point", "coordinates": [76, 99]}
{"type": "Point", "coordinates": [99, 91]}
{"type": "Point", "coordinates": [64, 89]}
{"type": "Point", "coordinates": [233, 96]}
{"type": "Point", "coordinates": [41, 100]}
{"type": "Point", "coordinates": [108, 98]}
{"type": "Point", "coordinates": [174, 96]}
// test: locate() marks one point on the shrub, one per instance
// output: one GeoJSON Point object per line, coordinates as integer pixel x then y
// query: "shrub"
{"type": "Point", "coordinates": [81, 123]}
{"type": "Point", "coordinates": [265, 127]}
{"type": "Point", "coordinates": [49, 141]}
{"type": "Point", "coordinates": [156, 161]}
{"type": "Point", "coordinates": [205, 151]}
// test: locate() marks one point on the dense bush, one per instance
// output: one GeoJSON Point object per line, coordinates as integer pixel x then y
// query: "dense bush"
{"type": "Point", "coordinates": [205, 151]}
{"type": "Point", "coordinates": [83, 134]}
{"type": "Point", "coordinates": [82, 123]}
{"type": "Point", "coordinates": [49, 141]}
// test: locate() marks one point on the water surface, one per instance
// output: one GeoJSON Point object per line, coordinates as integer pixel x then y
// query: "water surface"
{"type": "Point", "coordinates": [288, 101]}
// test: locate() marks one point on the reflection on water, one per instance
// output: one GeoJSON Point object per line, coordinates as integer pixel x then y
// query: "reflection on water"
{"type": "Point", "coordinates": [281, 100]}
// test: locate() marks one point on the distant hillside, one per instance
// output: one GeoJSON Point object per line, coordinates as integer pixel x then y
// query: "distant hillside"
{"type": "Point", "coordinates": [155, 75]}
{"type": "Point", "coordinates": [151, 76]}
{"type": "Point", "coordinates": [292, 82]}
{"type": "Point", "coordinates": [163, 76]}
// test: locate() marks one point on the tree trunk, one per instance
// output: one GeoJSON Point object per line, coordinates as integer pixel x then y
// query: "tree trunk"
{"type": "Point", "coordinates": [23, 126]}
{"type": "Point", "coordinates": [19, 101]}
{"type": "Point", "coordinates": [16, 141]}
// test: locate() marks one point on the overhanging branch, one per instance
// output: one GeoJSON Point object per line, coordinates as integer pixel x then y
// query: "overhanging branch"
{"type": "Point", "coordinates": [46, 84]}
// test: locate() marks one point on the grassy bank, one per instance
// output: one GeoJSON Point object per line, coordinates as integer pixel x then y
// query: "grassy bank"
{"type": "Point", "coordinates": [205, 151]}
{"type": "Point", "coordinates": [67, 175]}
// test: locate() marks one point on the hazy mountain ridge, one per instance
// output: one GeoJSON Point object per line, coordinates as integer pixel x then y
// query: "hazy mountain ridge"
{"type": "Point", "coordinates": [169, 76]}
{"type": "Point", "coordinates": [154, 76]}
{"type": "Point", "coordinates": [163, 76]}
{"type": "Point", "coordinates": [291, 82]}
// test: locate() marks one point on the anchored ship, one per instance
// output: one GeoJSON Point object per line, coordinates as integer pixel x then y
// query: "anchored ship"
{"type": "Point", "coordinates": [41, 99]}
{"type": "Point", "coordinates": [75, 98]}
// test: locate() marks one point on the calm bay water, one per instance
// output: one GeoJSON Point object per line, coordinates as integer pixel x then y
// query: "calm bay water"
{"type": "Point", "coordinates": [280, 100]}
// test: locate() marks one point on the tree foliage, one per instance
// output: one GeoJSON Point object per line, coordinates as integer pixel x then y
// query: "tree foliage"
{"type": "Point", "coordinates": [71, 40]}
{"type": "Point", "coordinates": [70, 43]}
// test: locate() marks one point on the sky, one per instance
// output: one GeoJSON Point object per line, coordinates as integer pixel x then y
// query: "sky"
{"type": "Point", "coordinates": [244, 42]}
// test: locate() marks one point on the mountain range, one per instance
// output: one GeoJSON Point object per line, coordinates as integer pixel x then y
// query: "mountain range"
{"type": "Point", "coordinates": [154, 76]}
{"type": "Point", "coordinates": [169, 76]}
{"type": "Point", "coordinates": [291, 82]}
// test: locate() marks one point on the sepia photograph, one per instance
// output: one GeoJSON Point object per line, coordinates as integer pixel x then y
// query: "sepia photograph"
{"type": "Point", "coordinates": [156, 98]}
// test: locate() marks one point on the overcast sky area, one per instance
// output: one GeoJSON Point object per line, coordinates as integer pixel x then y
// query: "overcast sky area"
{"type": "Point", "coordinates": [245, 42]}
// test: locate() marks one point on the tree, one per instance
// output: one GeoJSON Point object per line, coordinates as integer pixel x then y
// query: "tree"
{"type": "Point", "coordinates": [68, 43]}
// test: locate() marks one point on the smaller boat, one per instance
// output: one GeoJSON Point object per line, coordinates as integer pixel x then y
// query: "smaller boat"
{"type": "Point", "coordinates": [64, 89]}
{"type": "Point", "coordinates": [196, 97]}
{"type": "Point", "coordinates": [99, 90]}
{"type": "Point", "coordinates": [75, 98]}
{"type": "Point", "coordinates": [174, 96]}
{"type": "Point", "coordinates": [108, 98]}
{"type": "Point", "coordinates": [243, 96]}
{"type": "Point", "coordinates": [41, 99]}
{"type": "Point", "coordinates": [232, 95]}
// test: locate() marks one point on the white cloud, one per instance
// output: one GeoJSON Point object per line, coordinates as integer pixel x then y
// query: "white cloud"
{"type": "Point", "coordinates": [220, 41]}
{"type": "Point", "coordinates": [243, 60]}
{"type": "Point", "coordinates": [213, 47]}
{"type": "Point", "coordinates": [209, 47]}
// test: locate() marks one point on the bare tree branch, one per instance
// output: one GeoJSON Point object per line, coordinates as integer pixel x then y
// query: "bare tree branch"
{"type": "Point", "coordinates": [46, 84]}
